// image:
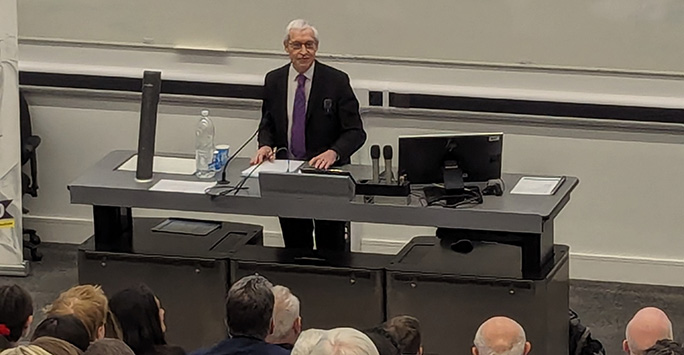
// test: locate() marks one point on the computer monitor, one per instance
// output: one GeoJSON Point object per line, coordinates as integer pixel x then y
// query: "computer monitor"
{"type": "Point", "coordinates": [452, 159]}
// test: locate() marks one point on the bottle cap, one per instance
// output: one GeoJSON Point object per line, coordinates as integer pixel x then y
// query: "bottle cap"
{"type": "Point", "coordinates": [205, 113]}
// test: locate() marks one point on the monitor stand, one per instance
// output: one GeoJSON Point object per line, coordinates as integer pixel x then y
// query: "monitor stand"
{"type": "Point", "coordinates": [453, 191]}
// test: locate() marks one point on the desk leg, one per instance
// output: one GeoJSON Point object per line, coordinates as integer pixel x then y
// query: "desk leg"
{"type": "Point", "coordinates": [113, 228]}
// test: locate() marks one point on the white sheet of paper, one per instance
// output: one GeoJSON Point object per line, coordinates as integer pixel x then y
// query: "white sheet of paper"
{"type": "Point", "coordinates": [189, 187]}
{"type": "Point", "coordinates": [168, 165]}
{"type": "Point", "coordinates": [530, 185]}
{"type": "Point", "coordinates": [276, 166]}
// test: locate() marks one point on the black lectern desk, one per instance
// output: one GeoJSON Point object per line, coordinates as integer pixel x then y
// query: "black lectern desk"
{"type": "Point", "coordinates": [521, 220]}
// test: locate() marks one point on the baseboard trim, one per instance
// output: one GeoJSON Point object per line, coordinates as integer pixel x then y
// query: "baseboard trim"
{"type": "Point", "coordinates": [585, 266]}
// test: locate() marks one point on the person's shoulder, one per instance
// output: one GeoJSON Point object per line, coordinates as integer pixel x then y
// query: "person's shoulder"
{"type": "Point", "coordinates": [273, 349]}
{"type": "Point", "coordinates": [278, 71]}
{"type": "Point", "coordinates": [331, 71]}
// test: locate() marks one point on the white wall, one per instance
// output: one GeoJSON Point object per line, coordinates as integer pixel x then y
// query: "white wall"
{"type": "Point", "coordinates": [624, 222]}
{"type": "Point", "coordinates": [622, 34]}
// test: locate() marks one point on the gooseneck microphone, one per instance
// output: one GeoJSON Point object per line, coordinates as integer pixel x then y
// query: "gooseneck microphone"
{"type": "Point", "coordinates": [375, 159]}
{"type": "Point", "coordinates": [151, 87]}
{"type": "Point", "coordinates": [387, 154]}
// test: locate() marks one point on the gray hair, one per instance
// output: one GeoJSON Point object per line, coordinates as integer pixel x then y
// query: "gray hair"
{"type": "Point", "coordinates": [307, 340]}
{"type": "Point", "coordinates": [517, 346]}
{"type": "Point", "coordinates": [345, 341]}
{"type": "Point", "coordinates": [285, 311]}
{"type": "Point", "coordinates": [299, 25]}
{"type": "Point", "coordinates": [249, 307]}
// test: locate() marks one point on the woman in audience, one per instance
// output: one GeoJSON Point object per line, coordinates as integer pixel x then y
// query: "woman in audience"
{"type": "Point", "coordinates": [88, 303]}
{"type": "Point", "coordinates": [66, 327]}
{"type": "Point", "coordinates": [16, 314]}
{"type": "Point", "coordinates": [109, 347]}
{"type": "Point", "coordinates": [141, 318]}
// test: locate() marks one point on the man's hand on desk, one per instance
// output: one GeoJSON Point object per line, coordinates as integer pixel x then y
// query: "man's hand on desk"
{"type": "Point", "coordinates": [324, 160]}
{"type": "Point", "coordinates": [264, 153]}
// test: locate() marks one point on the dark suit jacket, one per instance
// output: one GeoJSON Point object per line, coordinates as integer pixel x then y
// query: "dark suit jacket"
{"type": "Point", "coordinates": [338, 127]}
{"type": "Point", "coordinates": [243, 346]}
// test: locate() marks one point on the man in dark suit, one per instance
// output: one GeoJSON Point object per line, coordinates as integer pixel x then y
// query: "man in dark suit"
{"type": "Point", "coordinates": [309, 108]}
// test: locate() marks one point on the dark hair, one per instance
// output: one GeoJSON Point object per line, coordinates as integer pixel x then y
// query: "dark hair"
{"type": "Point", "coordinates": [384, 342]}
{"type": "Point", "coordinates": [249, 307]}
{"type": "Point", "coordinates": [66, 327]}
{"type": "Point", "coordinates": [665, 347]}
{"type": "Point", "coordinates": [405, 330]}
{"type": "Point", "coordinates": [137, 312]}
{"type": "Point", "coordinates": [16, 306]}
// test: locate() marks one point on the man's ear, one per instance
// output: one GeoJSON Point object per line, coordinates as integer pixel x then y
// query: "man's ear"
{"type": "Point", "coordinates": [625, 346]}
{"type": "Point", "coordinates": [27, 325]}
{"type": "Point", "coordinates": [474, 351]}
{"type": "Point", "coordinates": [100, 332]}
{"type": "Point", "coordinates": [271, 327]}
{"type": "Point", "coordinates": [528, 347]}
{"type": "Point", "coordinates": [297, 325]}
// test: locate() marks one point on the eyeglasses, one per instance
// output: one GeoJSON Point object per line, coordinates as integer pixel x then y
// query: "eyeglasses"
{"type": "Point", "coordinates": [311, 45]}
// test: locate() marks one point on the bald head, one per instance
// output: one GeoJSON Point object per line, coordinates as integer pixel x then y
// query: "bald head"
{"type": "Point", "coordinates": [647, 326]}
{"type": "Point", "coordinates": [500, 336]}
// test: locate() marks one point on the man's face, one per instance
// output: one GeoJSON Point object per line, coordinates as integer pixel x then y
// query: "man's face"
{"type": "Point", "coordinates": [301, 47]}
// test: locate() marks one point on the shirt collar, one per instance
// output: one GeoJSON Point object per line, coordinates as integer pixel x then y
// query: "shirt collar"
{"type": "Point", "coordinates": [308, 73]}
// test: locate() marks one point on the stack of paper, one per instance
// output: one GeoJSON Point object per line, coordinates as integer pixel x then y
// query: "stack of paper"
{"type": "Point", "coordinates": [530, 185]}
{"type": "Point", "coordinates": [275, 166]}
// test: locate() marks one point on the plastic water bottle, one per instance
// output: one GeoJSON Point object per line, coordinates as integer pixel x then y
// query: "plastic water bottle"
{"type": "Point", "coordinates": [204, 147]}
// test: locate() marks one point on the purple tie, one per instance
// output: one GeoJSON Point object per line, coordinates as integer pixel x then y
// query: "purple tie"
{"type": "Point", "coordinates": [298, 134]}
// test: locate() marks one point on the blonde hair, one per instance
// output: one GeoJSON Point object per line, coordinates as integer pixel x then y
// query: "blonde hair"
{"type": "Point", "coordinates": [88, 303]}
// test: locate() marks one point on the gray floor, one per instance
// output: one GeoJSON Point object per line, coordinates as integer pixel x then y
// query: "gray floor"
{"type": "Point", "coordinates": [603, 306]}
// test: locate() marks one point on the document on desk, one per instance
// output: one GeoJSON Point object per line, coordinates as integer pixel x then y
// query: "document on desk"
{"type": "Point", "coordinates": [188, 187]}
{"type": "Point", "coordinates": [168, 165]}
{"type": "Point", "coordinates": [532, 185]}
{"type": "Point", "coordinates": [276, 166]}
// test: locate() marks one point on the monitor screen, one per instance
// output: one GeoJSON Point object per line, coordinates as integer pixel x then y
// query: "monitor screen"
{"type": "Point", "coordinates": [423, 159]}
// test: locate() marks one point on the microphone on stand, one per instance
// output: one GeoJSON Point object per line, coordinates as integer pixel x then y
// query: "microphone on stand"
{"type": "Point", "coordinates": [387, 154]}
{"type": "Point", "coordinates": [375, 159]}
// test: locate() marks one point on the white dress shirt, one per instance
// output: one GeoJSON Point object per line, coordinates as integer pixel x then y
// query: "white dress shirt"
{"type": "Point", "coordinates": [291, 89]}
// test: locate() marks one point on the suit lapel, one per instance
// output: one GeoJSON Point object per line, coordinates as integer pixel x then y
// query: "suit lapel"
{"type": "Point", "coordinates": [282, 99]}
{"type": "Point", "coordinates": [316, 90]}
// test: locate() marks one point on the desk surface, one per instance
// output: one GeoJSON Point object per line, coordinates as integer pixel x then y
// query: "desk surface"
{"type": "Point", "coordinates": [104, 185]}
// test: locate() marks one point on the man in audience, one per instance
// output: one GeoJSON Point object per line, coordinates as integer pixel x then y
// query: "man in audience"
{"type": "Point", "coordinates": [500, 336]}
{"type": "Point", "coordinates": [665, 347]}
{"type": "Point", "coordinates": [344, 341]}
{"type": "Point", "coordinates": [307, 340]}
{"type": "Point", "coordinates": [287, 324]}
{"type": "Point", "coordinates": [648, 325]}
{"type": "Point", "coordinates": [249, 311]}
{"type": "Point", "coordinates": [405, 330]}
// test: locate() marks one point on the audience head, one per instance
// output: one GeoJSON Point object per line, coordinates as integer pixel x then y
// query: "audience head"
{"type": "Point", "coordinates": [88, 303]}
{"type": "Point", "coordinates": [56, 346]}
{"type": "Point", "coordinates": [648, 325]}
{"type": "Point", "coordinates": [16, 314]}
{"type": "Point", "coordinates": [141, 318]}
{"type": "Point", "coordinates": [307, 340]}
{"type": "Point", "coordinates": [405, 330]}
{"type": "Point", "coordinates": [287, 324]}
{"type": "Point", "coordinates": [249, 307]}
{"type": "Point", "coordinates": [109, 347]}
{"type": "Point", "coordinates": [66, 327]}
{"type": "Point", "coordinates": [344, 341]}
{"type": "Point", "coordinates": [301, 44]}
{"type": "Point", "coordinates": [500, 336]}
{"type": "Point", "coordinates": [665, 347]}
{"type": "Point", "coordinates": [30, 350]}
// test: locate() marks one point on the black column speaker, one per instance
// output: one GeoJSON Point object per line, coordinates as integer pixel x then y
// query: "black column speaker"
{"type": "Point", "coordinates": [151, 87]}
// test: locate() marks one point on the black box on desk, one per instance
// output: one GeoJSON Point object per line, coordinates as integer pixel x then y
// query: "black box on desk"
{"type": "Point", "coordinates": [452, 293]}
{"type": "Point", "coordinates": [334, 289]}
{"type": "Point", "coordinates": [188, 273]}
